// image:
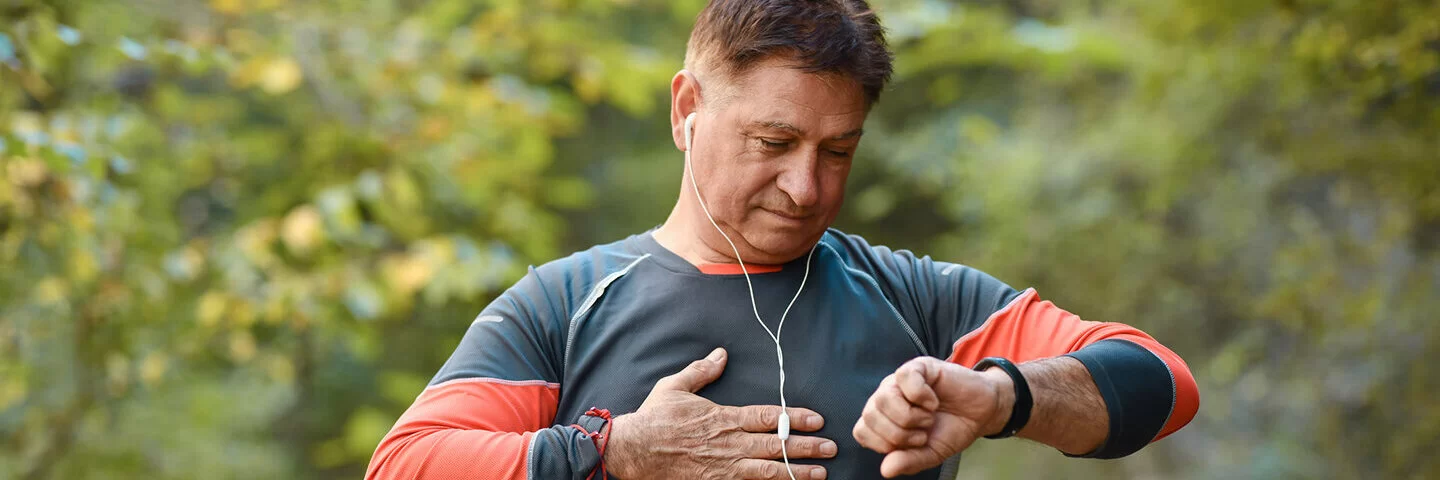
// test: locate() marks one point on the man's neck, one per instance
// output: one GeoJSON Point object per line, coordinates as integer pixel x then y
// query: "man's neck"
{"type": "Point", "coordinates": [685, 234]}
{"type": "Point", "coordinates": [679, 235]}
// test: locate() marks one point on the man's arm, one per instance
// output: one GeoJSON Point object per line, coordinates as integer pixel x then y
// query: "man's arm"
{"type": "Point", "coordinates": [1101, 390]}
{"type": "Point", "coordinates": [1147, 391]}
{"type": "Point", "coordinates": [931, 409]}
{"type": "Point", "coordinates": [490, 411]}
{"type": "Point", "coordinates": [1068, 412]}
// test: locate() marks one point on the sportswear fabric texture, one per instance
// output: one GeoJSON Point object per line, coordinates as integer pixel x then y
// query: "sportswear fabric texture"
{"type": "Point", "coordinates": [597, 329]}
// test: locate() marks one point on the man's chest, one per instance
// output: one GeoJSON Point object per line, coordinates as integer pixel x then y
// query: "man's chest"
{"type": "Point", "coordinates": [839, 341]}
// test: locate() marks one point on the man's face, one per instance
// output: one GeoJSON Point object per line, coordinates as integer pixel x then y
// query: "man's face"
{"type": "Point", "coordinates": [771, 158]}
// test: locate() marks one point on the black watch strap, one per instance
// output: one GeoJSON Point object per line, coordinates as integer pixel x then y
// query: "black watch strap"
{"type": "Point", "coordinates": [1020, 413]}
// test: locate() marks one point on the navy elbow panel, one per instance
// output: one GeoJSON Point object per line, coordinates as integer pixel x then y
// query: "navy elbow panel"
{"type": "Point", "coordinates": [564, 451]}
{"type": "Point", "coordinates": [1138, 390]}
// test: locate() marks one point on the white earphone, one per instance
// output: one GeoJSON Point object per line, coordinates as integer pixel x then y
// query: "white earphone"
{"type": "Point", "coordinates": [784, 422]}
{"type": "Point", "coordinates": [689, 131]}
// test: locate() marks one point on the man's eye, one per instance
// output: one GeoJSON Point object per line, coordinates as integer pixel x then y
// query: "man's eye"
{"type": "Point", "coordinates": [839, 153]}
{"type": "Point", "coordinates": [774, 144]}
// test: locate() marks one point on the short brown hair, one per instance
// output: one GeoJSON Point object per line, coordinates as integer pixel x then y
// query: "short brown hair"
{"type": "Point", "coordinates": [821, 36]}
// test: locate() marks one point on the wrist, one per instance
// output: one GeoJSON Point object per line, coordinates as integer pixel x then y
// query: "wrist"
{"type": "Point", "coordinates": [1019, 406]}
{"type": "Point", "coordinates": [1004, 389]}
{"type": "Point", "coordinates": [619, 458]}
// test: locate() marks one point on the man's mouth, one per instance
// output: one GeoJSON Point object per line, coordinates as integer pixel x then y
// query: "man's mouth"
{"type": "Point", "coordinates": [789, 217]}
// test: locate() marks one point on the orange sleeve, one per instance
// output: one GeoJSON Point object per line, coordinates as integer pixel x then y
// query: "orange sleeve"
{"type": "Point", "coordinates": [467, 428]}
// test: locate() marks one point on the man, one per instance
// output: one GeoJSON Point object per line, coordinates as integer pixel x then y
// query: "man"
{"type": "Point", "coordinates": [587, 366]}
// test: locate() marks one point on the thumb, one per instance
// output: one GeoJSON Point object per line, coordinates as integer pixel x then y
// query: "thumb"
{"type": "Point", "coordinates": [909, 461]}
{"type": "Point", "coordinates": [697, 375]}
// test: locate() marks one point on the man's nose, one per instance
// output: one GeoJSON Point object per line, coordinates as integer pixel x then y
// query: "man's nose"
{"type": "Point", "coordinates": [799, 178]}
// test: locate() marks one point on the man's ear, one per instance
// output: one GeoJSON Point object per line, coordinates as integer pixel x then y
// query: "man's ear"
{"type": "Point", "coordinates": [684, 100]}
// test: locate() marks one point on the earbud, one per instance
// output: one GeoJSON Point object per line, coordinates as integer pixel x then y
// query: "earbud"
{"type": "Point", "coordinates": [689, 129]}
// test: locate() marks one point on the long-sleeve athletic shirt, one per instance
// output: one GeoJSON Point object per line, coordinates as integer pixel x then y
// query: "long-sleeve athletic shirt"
{"type": "Point", "coordinates": [597, 329]}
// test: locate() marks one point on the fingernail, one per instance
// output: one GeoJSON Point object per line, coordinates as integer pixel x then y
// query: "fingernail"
{"type": "Point", "coordinates": [813, 421]}
{"type": "Point", "coordinates": [917, 439]}
{"type": "Point", "coordinates": [828, 449]}
{"type": "Point", "coordinates": [716, 355]}
{"type": "Point", "coordinates": [818, 474]}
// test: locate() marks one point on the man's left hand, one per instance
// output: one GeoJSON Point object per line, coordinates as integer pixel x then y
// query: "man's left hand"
{"type": "Point", "coordinates": [929, 410]}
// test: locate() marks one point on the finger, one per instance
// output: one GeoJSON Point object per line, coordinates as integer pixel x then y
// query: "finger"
{"type": "Point", "coordinates": [696, 375]}
{"type": "Point", "coordinates": [911, 379]}
{"type": "Point", "coordinates": [899, 409]}
{"type": "Point", "coordinates": [805, 420]}
{"type": "Point", "coordinates": [889, 435]}
{"type": "Point", "coordinates": [766, 418]}
{"type": "Point", "coordinates": [752, 469]}
{"type": "Point", "coordinates": [867, 438]}
{"type": "Point", "coordinates": [872, 439]}
{"type": "Point", "coordinates": [909, 461]}
{"type": "Point", "coordinates": [767, 446]}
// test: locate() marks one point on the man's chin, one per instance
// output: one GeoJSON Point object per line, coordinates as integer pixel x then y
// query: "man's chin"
{"type": "Point", "coordinates": [777, 246]}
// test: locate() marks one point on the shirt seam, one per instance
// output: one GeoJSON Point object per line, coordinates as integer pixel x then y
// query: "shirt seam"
{"type": "Point", "coordinates": [1174, 389]}
{"type": "Point", "coordinates": [988, 320]}
{"type": "Point", "coordinates": [590, 300]}
{"type": "Point", "coordinates": [498, 381]}
{"type": "Point", "coordinates": [530, 456]}
{"type": "Point", "coordinates": [893, 311]}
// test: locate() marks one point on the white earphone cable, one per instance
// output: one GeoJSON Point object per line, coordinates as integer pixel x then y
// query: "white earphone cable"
{"type": "Point", "coordinates": [774, 335]}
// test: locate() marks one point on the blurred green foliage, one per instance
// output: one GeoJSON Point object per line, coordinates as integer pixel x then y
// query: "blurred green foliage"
{"type": "Point", "coordinates": [237, 237]}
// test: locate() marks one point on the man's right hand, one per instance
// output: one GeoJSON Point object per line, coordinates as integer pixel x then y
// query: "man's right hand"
{"type": "Point", "coordinates": [677, 434]}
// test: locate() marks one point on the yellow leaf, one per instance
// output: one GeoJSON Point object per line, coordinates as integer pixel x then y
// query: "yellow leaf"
{"type": "Point", "coordinates": [211, 306]}
{"type": "Point", "coordinates": [407, 273]}
{"type": "Point", "coordinates": [301, 230]}
{"type": "Point", "coordinates": [27, 122]}
{"type": "Point", "coordinates": [26, 172]}
{"type": "Point", "coordinates": [242, 346]}
{"type": "Point", "coordinates": [51, 290]}
{"type": "Point", "coordinates": [254, 241]}
{"type": "Point", "coordinates": [275, 309]}
{"type": "Point", "coordinates": [403, 190]}
{"type": "Point", "coordinates": [83, 266]}
{"type": "Point", "coordinates": [242, 314]}
{"type": "Point", "coordinates": [438, 251]}
{"type": "Point", "coordinates": [280, 369]}
{"type": "Point", "coordinates": [435, 128]}
{"type": "Point", "coordinates": [280, 75]}
{"type": "Point", "coordinates": [152, 369]}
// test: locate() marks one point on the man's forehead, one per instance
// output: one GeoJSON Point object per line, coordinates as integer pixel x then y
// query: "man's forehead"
{"type": "Point", "coordinates": [827, 94]}
{"type": "Point", "coordinates": [778, 81]}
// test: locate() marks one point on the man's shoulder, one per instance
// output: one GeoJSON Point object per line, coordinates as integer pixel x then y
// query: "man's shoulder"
{"type": "Point", "coordinates": [881, 261]}
{"type": "Point", "coordinates": [857, 252]}
{"type": "Point", "coordinates": [589, 266]}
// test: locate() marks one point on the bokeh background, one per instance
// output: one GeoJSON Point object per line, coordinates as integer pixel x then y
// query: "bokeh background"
{"type": "Point", "coordinates": [237, 237]}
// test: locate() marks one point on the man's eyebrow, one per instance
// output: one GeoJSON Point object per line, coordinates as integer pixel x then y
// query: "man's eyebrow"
{"type": "Point", "coordinates": [793, 130]}
{"type": "Point", "coordinates": [849, 135]}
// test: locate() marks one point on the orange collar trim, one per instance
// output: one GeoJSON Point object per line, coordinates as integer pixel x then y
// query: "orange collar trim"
{"type": "Point", "coordinates": [734, 268]}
